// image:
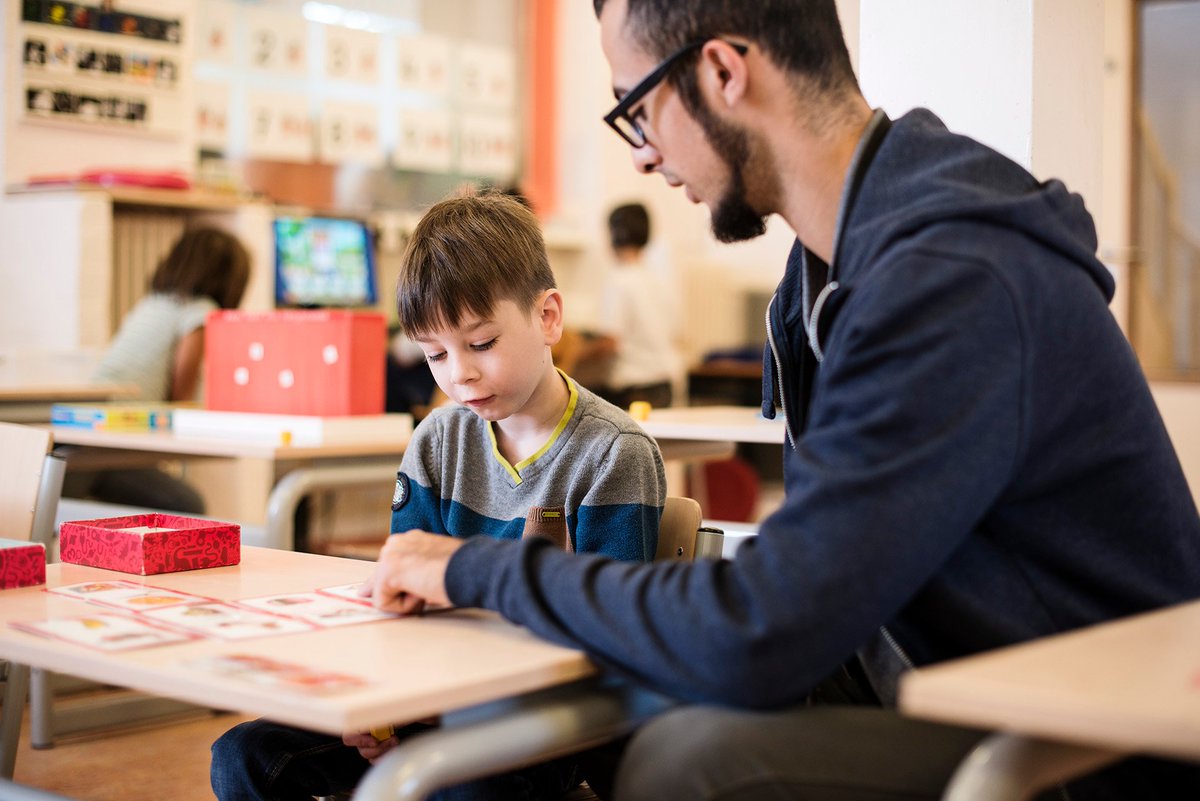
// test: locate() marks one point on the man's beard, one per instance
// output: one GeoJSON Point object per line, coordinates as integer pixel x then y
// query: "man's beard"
{"type": "Point", "coordinates": [733, 218]}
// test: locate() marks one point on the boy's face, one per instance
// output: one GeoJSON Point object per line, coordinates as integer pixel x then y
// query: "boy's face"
{"type": "Point", "coordinates": [494, 365]}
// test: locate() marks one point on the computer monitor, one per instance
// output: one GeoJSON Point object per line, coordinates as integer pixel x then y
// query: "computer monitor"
{"type": "Point", "coordinates": [323, 261]}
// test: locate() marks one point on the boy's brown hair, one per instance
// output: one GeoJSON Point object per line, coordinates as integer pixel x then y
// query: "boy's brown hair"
{"type": "Point", "coordinates": [468, 253]}
{"type": "Point", "coordinates": [205, 262]}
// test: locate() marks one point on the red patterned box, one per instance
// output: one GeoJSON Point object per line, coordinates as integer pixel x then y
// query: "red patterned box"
{"type": "Point", "coordinates": [22, 564]}
{"type": "Point", "coordinates": [150, 543]}
{"type": "Point", "coordinates": [324, 363]}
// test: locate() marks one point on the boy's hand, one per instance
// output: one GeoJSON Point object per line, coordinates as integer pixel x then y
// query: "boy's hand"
{"type": "Point", "coordinates": [370, 748]}
{"type": "Point", "coordinates": [411, 571]}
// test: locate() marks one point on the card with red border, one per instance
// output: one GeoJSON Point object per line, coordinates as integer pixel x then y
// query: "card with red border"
{"type": "Point", "coordinates": [127, 595]}
{"type": "Point", "coordinates": [281, 675]}
{"type": "Point", "coordinates": [323, 610]}
{"type": "Point", "coordinates": [226, 622]}
{"type": "Point", "coordinates": [104, 632]}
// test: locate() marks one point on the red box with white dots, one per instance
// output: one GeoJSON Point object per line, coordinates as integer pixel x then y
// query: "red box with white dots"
{"type": "Point", "coordinates": [324, 363]}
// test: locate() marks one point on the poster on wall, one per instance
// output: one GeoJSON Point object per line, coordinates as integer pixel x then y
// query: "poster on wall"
{"type": "Point", "coordinates": [349, 133]}
{"type": "Point", "coordinates": [215, 34]}
{"type": "Point", "coordinates": [70, 104]}
{"type": "Point", "coordinates": [277, 41]}
{"type": "Point", "coordinates": [98, 66]}
{"type": "Point", "coordinates": [426, 142]}
{"type": "Point", "coordinates": [487, 146]}
{"type": "Point", "coordinates": [212, 116]}
{"type": "Point", "coordinates": [351, 55]}
{"type": "Point", "coordinates": [423, 65]}
{"type": "Point", "coordinates": [278, 126]}
{"type": "Point", "coordinates": [485, 77]}
{"type": "Point", "coordinates": [103, 17]}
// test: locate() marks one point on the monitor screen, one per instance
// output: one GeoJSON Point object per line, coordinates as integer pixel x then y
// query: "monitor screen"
{"type": "Point", "coordinates": [322, 261]}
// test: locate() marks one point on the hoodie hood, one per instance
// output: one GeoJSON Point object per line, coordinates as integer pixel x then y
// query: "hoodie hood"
{"type": "Point", "coordinates": [948, 178]}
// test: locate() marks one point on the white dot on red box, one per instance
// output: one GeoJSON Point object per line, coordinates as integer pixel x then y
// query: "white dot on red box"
{"type": "Point", "coordinates": [330, 354]}
{"type": "Point", "coordinates": [286, 378]}
{"type": "Point", "coordinates": [256, 351]}
{"type": "Point", "coordinates": [241, 376]}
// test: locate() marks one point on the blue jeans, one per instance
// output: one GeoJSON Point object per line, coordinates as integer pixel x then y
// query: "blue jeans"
{"type": "Point", "coordinates": [264, 761]}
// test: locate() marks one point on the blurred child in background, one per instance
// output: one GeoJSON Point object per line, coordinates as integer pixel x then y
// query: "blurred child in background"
{"type": "Point", "coordinates": [160, 349]}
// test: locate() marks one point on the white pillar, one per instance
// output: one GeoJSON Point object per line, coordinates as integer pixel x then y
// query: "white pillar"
{"type": "Point", "coordinates": [1026, 77]}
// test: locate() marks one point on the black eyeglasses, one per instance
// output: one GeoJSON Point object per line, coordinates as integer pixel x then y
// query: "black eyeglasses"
{"type": "Point", "coordinates": [620, 120]}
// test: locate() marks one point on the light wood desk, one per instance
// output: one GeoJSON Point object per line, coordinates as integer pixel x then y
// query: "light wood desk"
{"type": "Point", "coordinates": [414, 667]}
{"type": "Point", "coordinates": [22, 402]}
{"type": "Point", "coordinates": [713, 424]}
{"type": "Point", "coordinates": [1070, 703]}
{"type": "Point", "coordinates": [705, 433]}
{"type": "Point", "coordinates": [300, 469]}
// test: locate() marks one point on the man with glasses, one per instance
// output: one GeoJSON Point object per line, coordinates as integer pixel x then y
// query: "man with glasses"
{"type": "Point", "coordinates": [974, 458]}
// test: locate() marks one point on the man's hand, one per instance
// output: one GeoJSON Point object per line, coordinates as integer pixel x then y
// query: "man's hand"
{"type": "Point", "coordinates": [411, 571]}
{"type": "Point", "coordinates": [370, 748]}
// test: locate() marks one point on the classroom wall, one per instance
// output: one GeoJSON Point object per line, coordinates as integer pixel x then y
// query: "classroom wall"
{"type": "Point", "coordinates": [55, 149]}
{"type": "Point", "coordinates": [596, 173]}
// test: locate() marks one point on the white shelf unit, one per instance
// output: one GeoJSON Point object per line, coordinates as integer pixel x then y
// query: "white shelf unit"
{"type": "Point", "coordinates": [79, 258]}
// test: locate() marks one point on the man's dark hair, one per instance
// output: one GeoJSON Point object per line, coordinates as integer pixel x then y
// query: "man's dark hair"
{"type": "Point", "coordinates": [803, 36]}
{"type": "Point", "coordinates": [204, 262]}
{"type": "Point", "coordinates": [467, 254]}
{"type": "Point", "coordinates": [629, 226]}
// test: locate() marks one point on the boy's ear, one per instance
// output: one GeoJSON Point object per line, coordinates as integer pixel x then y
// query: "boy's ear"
{"type": "Point", "coordinates": [550, 310]}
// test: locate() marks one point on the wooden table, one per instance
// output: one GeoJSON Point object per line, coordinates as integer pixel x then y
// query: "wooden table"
{"type": "Point", "coordinates": [705, 433]}
{"type": "Point", "coordinates": [23, 402]}
{"type": "Point", "coordinates": [413, 667]}
{"type": "Point", "coordinates": [1070, 703]}
{"type": "Point", "coordinates": [713, 424]}
{"type": "Point", "coordinates": [300, 469]}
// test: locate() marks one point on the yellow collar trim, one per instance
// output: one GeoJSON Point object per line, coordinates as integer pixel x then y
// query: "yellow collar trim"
{"type": "Point", "coordinates": [514, 471]}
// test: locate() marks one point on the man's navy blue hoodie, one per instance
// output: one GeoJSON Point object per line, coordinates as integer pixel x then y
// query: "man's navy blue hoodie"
{"type": "Point", "coordinates": [975, 461]}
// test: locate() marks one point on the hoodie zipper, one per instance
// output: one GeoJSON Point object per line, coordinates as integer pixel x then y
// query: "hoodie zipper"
{"type": "Point", "coordinates": [895, 646]}
{"type": "Point", "coordinates": [779, 373]}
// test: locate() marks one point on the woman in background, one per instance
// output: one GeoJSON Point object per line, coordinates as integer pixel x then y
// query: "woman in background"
{"type": "Point", "coordinates": [160, 349]}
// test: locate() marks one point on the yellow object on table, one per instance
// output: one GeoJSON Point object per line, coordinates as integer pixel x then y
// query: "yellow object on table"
{"type": "Point", "coordinates": [639, 410]}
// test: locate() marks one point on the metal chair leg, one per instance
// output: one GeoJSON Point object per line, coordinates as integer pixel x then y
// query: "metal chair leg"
{"type": "Point", "coordinates": [16, 689]}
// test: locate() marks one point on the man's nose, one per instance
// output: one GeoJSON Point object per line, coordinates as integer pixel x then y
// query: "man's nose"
{"type": "Point", "coordinates": [646, 158]}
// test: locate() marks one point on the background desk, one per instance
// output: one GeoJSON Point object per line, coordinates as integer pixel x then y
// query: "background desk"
{"type": "Point", "coordinates": [269, 479]}
{"type": "Point", "coordinates": [24, 402]}
{"type": "Point", "coordinates": [713, 424]}
{"type": "Point", "coordinates": [703, 433]}
{"type": "Point", "coordinates": [1069, 703]}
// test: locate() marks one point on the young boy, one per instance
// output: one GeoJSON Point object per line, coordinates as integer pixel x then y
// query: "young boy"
{"type": "Point", "coordinates": [525, 451]}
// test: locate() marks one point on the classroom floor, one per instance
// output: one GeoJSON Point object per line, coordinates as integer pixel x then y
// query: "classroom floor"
{"type": "Point", "coordinates": [142, 763]}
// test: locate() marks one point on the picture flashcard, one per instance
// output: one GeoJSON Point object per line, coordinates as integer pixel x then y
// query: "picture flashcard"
{"type": "Point", "coordinates": [225, 621]}
{"type": "Point", "coordinates": [274, 673]}
{"type": "Point", "coordinates": [127, 595]}
{"type": "Point", "coordinates": [323, 610]}
{"type": "Point", "coordinates": [104, 632]}
{"type": "Point", "coordinates": [348, 592]}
